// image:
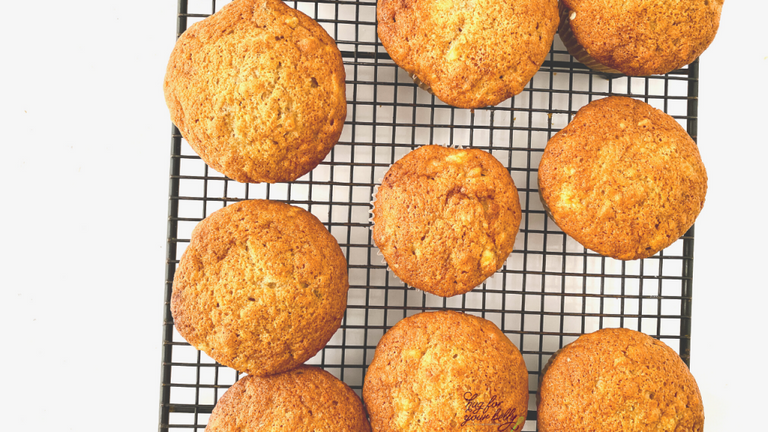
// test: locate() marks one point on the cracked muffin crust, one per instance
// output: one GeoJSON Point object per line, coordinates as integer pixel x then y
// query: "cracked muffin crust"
{"type": "Point", "coordinates": [258, 91]}
{"type": "Point", "coordinates": [445, 219]}
{"type": "Point", "coordinates": [638, 37]}
{"type": "Point", "coordinates": [618, 380]}
{"type": "Point", "coordinates": [446, 371]}
{"type": "Point", "coordinates": [623, 178]}
{"type": "Point", "coordinates": [261, 287]}
{"type": "Point", "coordinates": [305, 399]}
{"type": "Point", "coordinates": [471, 53]}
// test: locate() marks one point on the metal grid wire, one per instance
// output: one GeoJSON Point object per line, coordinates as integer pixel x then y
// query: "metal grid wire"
{"type": "Point", "coordinates": [550, 291]}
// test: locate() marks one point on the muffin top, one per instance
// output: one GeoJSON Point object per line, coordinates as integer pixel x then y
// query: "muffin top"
{"type": "Point", "coordinates": [618, 380]}
{"type": "Point", "coordinates": [258, 91]}
{"type": "Point", "coordinates": [623, 178]}
{"type": "Point", "coordinates": [445, 219]}
{"type": "Point", "coordinates": [472, 53]}
{"type": "Point", "coordinates": [446, 371]}
{"type": "Point", "coordinates": [261, 287]}
{"type": "Point", "coordinates": [644, 37]}
{"type": "Point", "coordinates": [305, 399]}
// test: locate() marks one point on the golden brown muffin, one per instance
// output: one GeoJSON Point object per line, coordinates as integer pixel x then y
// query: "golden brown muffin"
{"type": "Point", "coordinates": [446, 371]}
{"type": "Point", "coordinates": [471, 53]}
{"type": "Point", "coordinates": [305, 399]}
{"type": "Point", "coordinates": [623, 178]}
{"type": "Point", "coordinates": [258, 91]}
{"type": "Point", "coordinates": [445, 219]}
{"type": "Point", "coordinates": [618, 380]}
{"type": "Point", "coordinates": [261, 287]}
{"type": "Point", "coordinates": [638, 37]}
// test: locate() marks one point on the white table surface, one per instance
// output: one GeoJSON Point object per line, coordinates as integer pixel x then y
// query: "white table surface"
{"type": "Point", "coordinates": [85, 162]}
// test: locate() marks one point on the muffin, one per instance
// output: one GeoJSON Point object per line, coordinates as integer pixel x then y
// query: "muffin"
{"type": "Point", "coordinates": [471, 54]}
{"type": "Point", "coordinates": [618, 380]}
{"type": "Point", "coordinates": [446, 371]}
{"type": "Point", "coordinates": [622, 178]}
{"type": "Point", "coordinates": [638, 37]}
{"type": "Point", "coordinates": [261, 287]}
{"type": "Point", "coordinates": [305, 399]}
{"type": "Point", "coordinates": [258, 91]}
{"type": "Point", "coordinates": [445, 219]}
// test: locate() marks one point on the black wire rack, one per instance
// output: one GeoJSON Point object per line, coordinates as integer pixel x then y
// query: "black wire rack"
{"type": "Point", "coordinates": [551, 289]}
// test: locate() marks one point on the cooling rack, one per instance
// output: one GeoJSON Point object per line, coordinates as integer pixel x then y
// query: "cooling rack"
{"type": "Point", "coordinates": [550, 291]}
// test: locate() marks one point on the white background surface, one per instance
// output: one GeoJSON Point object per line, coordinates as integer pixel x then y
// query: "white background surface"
{"type": "Point", "coordinates": [84, 178]}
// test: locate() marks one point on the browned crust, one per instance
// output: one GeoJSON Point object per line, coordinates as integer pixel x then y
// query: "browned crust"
{"type": "Point", "coordinates": [640, 37]}
{"type": "Point", "coordinates": [258, 91]}
{"type": "Point", "coordinates": [471, 53]}
{"type": "Point", "coordinates": [445, 219]}
{"type": "Point", "coordinates": [261, 287]}
{"type": "Point", "coordinates": [426, 364]}
{"type": "Point", "coordinates": [623, 178]}
{"type": "Point", "coordinates": [305, 399]}
{"type": "Point", "coordinates": [618, 380]}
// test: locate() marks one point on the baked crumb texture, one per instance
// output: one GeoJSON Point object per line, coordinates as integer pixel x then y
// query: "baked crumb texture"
{"type": "Point", "coordinates": [258, 91]}
{"type": "Point", "coordinates": [445, 219]}
{"type": "Point", "coordinates": [623, 178]}
{"type": "Point", "coordinates": [471, 53]}
{"type": "Point", "coordinates": [640, 37]}
{"type": "Point", "coordinates": [427, 367]}
{"type": "Point", "coordinates": [305, 399]}
{"type": "Point", "coordinates": [618, 380]}
{"type": "Point", "coordinates": [261, 287]}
